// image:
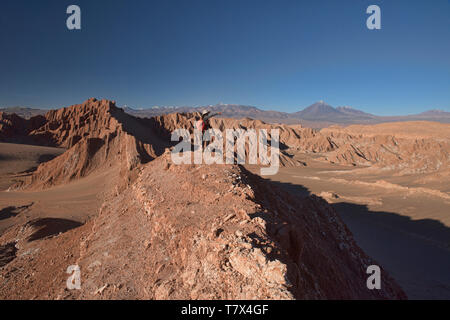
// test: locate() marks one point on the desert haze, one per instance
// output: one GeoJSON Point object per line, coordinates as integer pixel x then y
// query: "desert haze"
{"type": "Point", "coordinates": [94, 186]}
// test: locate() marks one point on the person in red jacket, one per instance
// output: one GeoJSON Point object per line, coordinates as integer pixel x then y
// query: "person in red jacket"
{"type": "Point", "coordinates": [203, 124]}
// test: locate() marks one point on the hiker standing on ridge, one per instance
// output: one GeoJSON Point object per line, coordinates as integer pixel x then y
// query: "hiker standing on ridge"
{"type": "Point", "coordinates": [203, 124]}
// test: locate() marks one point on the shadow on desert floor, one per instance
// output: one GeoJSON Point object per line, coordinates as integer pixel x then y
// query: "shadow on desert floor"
{"type": "Point", "coordinates": [48, 227]}
{"type": "Point", "coordinates": [415, 252]}
{"type": "Point", "coordinates": [12, 211]}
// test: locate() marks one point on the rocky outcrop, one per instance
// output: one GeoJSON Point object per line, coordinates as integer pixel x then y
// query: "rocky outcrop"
{"type": "Point", "coordinates": [412, 148]}
{"type": "Point", "coordinates": [179, 231]}
{"type": "Point", "coordinates": [211, 232]}
{"type": "Point", "coordinates": [16, 129]}
{"type": "Point", "coordinates": [97, 135]}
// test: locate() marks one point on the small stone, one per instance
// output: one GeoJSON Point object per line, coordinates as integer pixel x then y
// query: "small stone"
{"type": "Point", "coordinates": [218, 232]}
{"type": "Point", "coordinates": [100, 290]}
{"type": "Point", "coordinates": [247, 245]}
{"type": "Point", "coordinates": [228, 217]}
{"type": "Point", "coordinates": [242, 215]}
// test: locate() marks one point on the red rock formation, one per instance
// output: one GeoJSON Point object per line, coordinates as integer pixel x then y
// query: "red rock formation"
{"type": "Point", "coordinates": [181, 231]}
{"type": "Point", "coordinates": [411, 152]}
{"type": "Point", "coordinates": [14, 128]}
{"type": "Point", "coordinates": [97, 134]}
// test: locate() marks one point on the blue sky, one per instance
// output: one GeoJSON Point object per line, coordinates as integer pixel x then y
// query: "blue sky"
{"type": "Point", "coordinates": [281, 55]}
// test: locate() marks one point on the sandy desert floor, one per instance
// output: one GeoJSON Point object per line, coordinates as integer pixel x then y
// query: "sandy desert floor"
{"type": "Point", "coordinates": [400, 221]}
{"type": "Point", "coordinates": [77, 201]}
{"type": "Point", "coordinates": [17, 160]}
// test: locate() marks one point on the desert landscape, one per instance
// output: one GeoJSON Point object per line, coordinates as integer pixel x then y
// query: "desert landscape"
{"type": "Point", "coordinates": [94, 186]}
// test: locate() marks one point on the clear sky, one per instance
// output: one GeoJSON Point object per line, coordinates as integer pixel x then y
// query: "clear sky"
{"type": "Point", "coordinates": [281, 55]}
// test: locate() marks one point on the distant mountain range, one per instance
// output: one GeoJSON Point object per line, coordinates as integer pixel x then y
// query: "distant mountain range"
{"type": "Point", "coordinates": [318, 115]}
{"type": "Point", "coordinates": [24, 112]}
